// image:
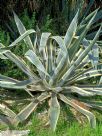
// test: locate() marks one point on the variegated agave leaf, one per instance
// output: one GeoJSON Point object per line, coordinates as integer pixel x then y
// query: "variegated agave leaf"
{"type": "Point", "coordinates": [63, 67]}
{"type": "Point", "coordinates": [8, 116]}
{"type": "Point", "coordinates": [54, 111]}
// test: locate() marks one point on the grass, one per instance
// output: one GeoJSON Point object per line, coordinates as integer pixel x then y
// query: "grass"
{"type": "Point", "coordinates": [64, 128]}
{"type": "Point", "coordinates": [67, 125]}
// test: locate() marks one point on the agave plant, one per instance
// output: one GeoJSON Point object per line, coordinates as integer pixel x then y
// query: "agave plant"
{"type": "Point", "coordinates": [64, 65]}
{"type": "Point", "coordinates": [70, 7]}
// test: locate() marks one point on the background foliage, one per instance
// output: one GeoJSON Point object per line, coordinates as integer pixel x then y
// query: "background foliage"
{"type": "Point", "coordinates": [58, 12]}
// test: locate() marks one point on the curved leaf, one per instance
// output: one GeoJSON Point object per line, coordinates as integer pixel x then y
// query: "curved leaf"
{"type": "Point", "coordinates": [8, 112]}
{"type": "Point", "coordinates": [43, 41]}
{"type": "Point", "coordinates": [33, 58]}
{"type": "Point", "coordinates": [22, 30]}
{"type": "Point", "coordinates": [88, 114]}
{"type": "Point", "coordinates": [25, 34]}
{"type": "Point", "coordinates": [25, 113]}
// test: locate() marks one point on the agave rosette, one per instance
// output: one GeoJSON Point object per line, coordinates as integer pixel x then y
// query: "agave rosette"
{"type": "Point", "coordinates": [64, 66]}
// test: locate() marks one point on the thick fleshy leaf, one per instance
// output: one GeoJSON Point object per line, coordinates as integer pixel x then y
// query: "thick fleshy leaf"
{"type": "Point", "coordinates": [71, 31]}
{"type": "Point", "coordinates": [8, 112]}
{"type": "Point", "coordinates": [57, 70]}
{"type": "Point", "coordinates": [63, 53]}
{"type": "Point", "coordinates": [16, 85]}
{"type": "Point", "coordinates": [96, 89]}
{"type": "Point", "coordinates": [25, 113]}
{"type": "Point", "coordinates": [64, 58]}
{"type": "Point", "coordinates": [83, 72]}
{"type": "Point", "coordinates": [69, 36]}
{"type": "Point", "coordinates": [5, 78]}
{"type": "Point", "coordinates": [76, 44]}
{"type": "Point", "coordinates": [98, 16]}
{"type": "Point", "coordinates": [33, 58]}
{"type": "Point", "coordinates": [91, 86]}
{"type": "Point", "coordinates": [43, 41]}
{"type": "Point", "coordinates": [90, 73]}
{"type": "Point", "coordinates": [49, 62]}
{"type": "Point", "coordinates": [3, 57]}
{"type": "Point", "coordinates": [10, 85]}
{"type": "Point", "coordinates": [20, 38]}
{"type": "Point", "coordinates": [54, 112]}
{"type": "Point", "coordinates": [21, 64]}
{"type": "Point", "coordinates": [5, 120]}
{"type": "Point", "coordinates": [93, 104]}
{"type": "Point", "coordinates": [86, 19]}
{"type": "Point", "coordinates": [35, 87]}
{"type": "Point", "coordinates": [8, 82]}
{"type": "Point", "coordinates": [61, 44]}
{"type": "Point", "coordinates": [22, 30]}
{"type": "Point", "coordinates": [25, 82]}
{"type": "Point", "coordinates": [78, 107]}
{"type": "Point", "coordinates": [93, 54]}
{"type": "Point", "coordinates": [81, 91]}
{"type": "Point", "coordinates": [4, 50]}
{"type": "Point", "coordinates": [80, 58]}
{"type": "Point", "coordinates": [51, 51]}
{"type": "Point", "coordinates": [76, 55]}
{"type": "Point", "coordinates": [42, 48]}
{"type": "Point", "coordinates": [88, 8]}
